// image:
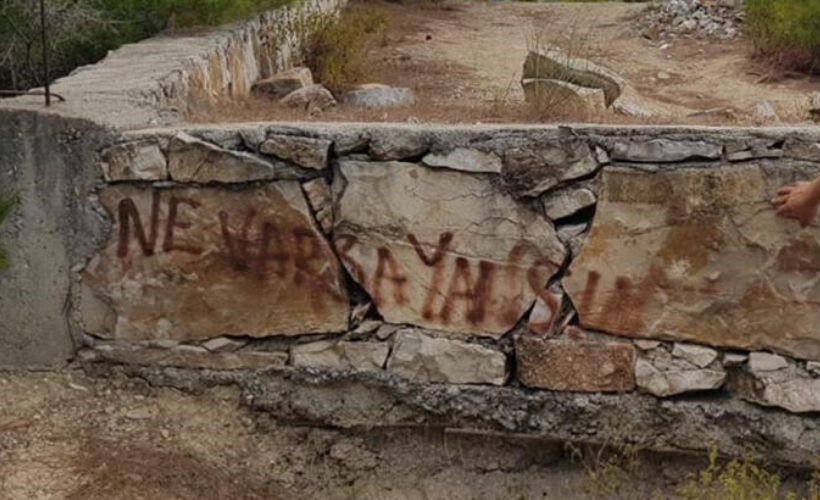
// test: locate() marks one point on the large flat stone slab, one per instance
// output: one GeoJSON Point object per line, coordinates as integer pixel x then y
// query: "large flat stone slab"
{"type": "Point", "coordinates": [199, 263]}
{"type": "Point", "coordinates": [442, 249]}
{"type": "Point", "coordinates": [699, 255]}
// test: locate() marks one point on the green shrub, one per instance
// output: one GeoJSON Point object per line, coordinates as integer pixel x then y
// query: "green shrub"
{"type": "Point", "coordinates": [6, 205]}
{"type": "Point", "coordinates": [786, 31]}
{"type": "Point", "coordinates": [335, 51]}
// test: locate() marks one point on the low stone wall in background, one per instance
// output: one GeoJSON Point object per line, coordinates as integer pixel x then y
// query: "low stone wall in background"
{"type": "Point", "coordinates": [567, 259]}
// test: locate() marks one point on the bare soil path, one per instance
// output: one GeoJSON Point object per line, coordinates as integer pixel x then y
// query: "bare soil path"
{"type": "Point", "coordinates": [464, 62]}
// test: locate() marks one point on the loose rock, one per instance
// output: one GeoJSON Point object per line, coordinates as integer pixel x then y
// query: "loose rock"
{"type": "Point", "coordinates": [379, 96]}
{"type": "Point", "coordinates": [282, 84]}
{"type": "Point", "coordinates": [766, 362]}
{"type": "Point", "coordinates": [697, 355]}
{"type": "Point", "coordinates": [312, 97]}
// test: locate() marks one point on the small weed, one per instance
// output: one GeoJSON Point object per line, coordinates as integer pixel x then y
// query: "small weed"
{"type": "Point", "coordinates": [337, 48]}
{"type": "Point", "coordinates": [607, 467]}
{"type": "Point", "coordinates": [739, 480]}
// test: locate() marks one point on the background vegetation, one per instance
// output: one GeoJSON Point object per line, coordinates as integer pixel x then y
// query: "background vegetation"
{"type": "Point", "coordinates": [786, 31]}
{"type": "Point", "coordinates": [83, 31]}
{"type": "Point", "coordinates": [6, 205]}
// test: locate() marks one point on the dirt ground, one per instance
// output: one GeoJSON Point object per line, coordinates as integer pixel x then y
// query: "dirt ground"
{"type": "Point", "coordinates": [464, 62]}
{"type": "Point", "coordinates": [67, 436]}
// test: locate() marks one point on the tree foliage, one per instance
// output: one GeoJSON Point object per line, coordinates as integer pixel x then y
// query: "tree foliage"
{"type": "Point", "coordinates": [787, 31]}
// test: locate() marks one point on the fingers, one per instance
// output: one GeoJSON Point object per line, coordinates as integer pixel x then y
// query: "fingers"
{"type": "Point", "coordinates": [784, 210]}
{"type": "Point", "coordinates": [780, 200]}
{"type": "Point", "coordinates": [785, 190]}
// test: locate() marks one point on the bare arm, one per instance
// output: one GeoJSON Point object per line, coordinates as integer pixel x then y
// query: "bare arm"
{"type": "Point", "coordinates": [799, 201]}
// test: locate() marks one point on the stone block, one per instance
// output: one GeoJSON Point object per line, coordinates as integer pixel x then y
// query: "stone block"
{"type": "Point", "coordinates": [306, 152]}
{"type": "Point", "coordinates": [421, 357]}
{"type": "Point", "coordinates": [578, 366]}
{"type": "Point", "coordinates": [340, 355]}
{"type": "Point", "coordinates": [134, 161]}
{"type": "Point", "coordinates": [191, 264]}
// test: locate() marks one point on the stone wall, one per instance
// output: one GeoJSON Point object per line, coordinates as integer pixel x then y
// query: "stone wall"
{"type": "Point", "coordinates": [156, 81]}
{"type": "Point", "coordinates": [600, 260]}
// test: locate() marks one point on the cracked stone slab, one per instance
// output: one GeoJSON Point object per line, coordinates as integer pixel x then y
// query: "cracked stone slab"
{"type": "Point", "coordinates": [198, 263]}
{"type": "Point", "coordinates": [193, 160]}
{"type": "Point", "coordinates": [530, 170]}
{"type": "Point", "coordinates": [465, 159]}
{"type": "Point", "coordinates": [699, 255]}
{"type": "Point", "coordinates": [663, 374]}
{"type": "Point", "coordinates": [441, 249]}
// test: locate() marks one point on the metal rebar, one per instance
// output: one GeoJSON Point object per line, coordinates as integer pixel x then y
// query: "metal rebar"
{"type": "Point", "coordinates": [44, 32]}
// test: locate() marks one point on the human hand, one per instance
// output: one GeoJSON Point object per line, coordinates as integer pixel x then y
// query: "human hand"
{"type": "Point", "coordinates": [798, 202]}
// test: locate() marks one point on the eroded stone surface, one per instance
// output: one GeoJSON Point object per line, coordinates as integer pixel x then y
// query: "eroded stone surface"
{"type": "Point", "coordinates": [186, 357]}
{"type": "Point", "coordinates": [421, 357]}
{"type": "Point", "coordinates": [199, 263]}
{"type": "Point", "coordinates": [665, 150]}
{"type": "Point", "coordinates": [441, 249]}
{"type": "Point", "coordinates": [193, 160]}
{"type": "Point", "coordinates": [789, 388]}
{"type": "Point", "coordinates": [533, 169]}
{"type": "Point", "coordinates": [575, 365]}
{"type": "Point", "coordinates": [699, 255]}
{"type": "Point", "coordinates": [546, 313]}
{"type": "Point", "coordinates": [466, 159]}
{"type": "Point", "coordinates": [134, 161]}
{"type": "Point", "coordinates": [304, 151]}
{"type": "Point", "coordinates": [340, 355]}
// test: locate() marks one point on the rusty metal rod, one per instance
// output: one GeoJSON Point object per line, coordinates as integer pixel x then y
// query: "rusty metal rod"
{"type": "Point", "coordinates": [15, 93]}
{"type": "Point", "coordinates": [44, 32]}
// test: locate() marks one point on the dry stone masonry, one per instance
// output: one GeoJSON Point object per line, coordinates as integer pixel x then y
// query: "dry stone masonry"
{"type": "Point", "coordinates": [600, 284]}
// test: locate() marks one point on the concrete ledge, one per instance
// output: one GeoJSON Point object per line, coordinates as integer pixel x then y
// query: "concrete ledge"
{"type": "Point", "coordinates": [374, 400]}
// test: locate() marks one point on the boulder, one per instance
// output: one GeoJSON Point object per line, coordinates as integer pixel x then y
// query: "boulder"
{"type": "Point", "coordinates": [282, 84]}
{"type": "Point", "coordinates": [312, 97]}
{"type": "Point", "coordinates": [374, 95]}
{"type": "Point", "coordinates": [419, 356]}
{"type": "Point", "coordinates": [441, 249]}
{"type": "Point", "coordinates": [699, 255]}
{"type": "Point", "coordinates": [552, 64]}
